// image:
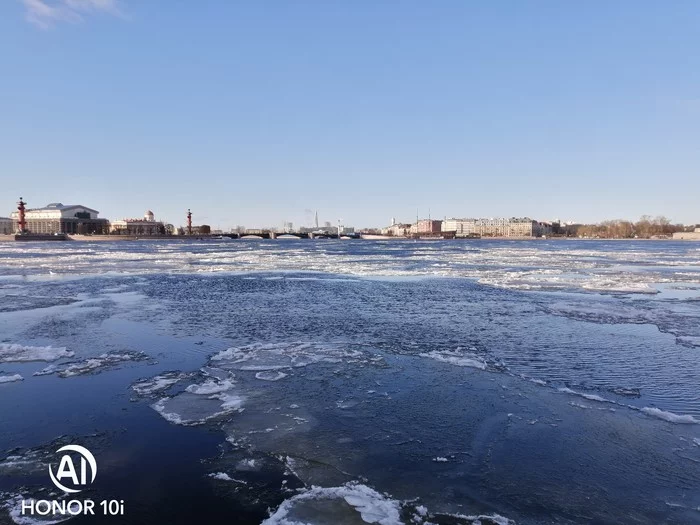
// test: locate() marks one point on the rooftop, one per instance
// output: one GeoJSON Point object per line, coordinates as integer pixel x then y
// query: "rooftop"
{"type": "Point", "coordinates": [61, 206]}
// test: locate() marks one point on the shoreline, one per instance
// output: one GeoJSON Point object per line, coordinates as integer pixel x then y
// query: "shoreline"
{"type": "Point", "coordinates": [177, 238]}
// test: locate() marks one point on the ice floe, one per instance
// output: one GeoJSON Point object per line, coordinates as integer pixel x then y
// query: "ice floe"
{"type": "Point", "coordinates": [335, 505]}
{"type": "Point", "coordinates": [92, 364]}
{"type": "Point", "coordinates": [481, 519]}
{"type": "Point", "coordinates": [670, 416]}
{"type": "Point", "coordinates": [13, 505]}
{"type": "Point", "coordinates": [355, 502]}
{"type": "Point", "coordinates": [11, 379]}
{"type": "Point", "coordinates": [590, 397]}
{"type": "Point", "coordinates": [222, 476]}
{"type": "Point", "coordinates": [158, 383]}
{"type": "Point", "coordinates": [211, 386]}
{"type": "Point", "coordinates": [457, 357]}
{"type": "Point", "coordinates": [248, 465]}
{"type": "Point", "coordinates": [278, 356]}
{"type": "Point", "coordinates": [30, 461]}
{"type": "Point", "coordinates": [190, 411]}
{"type": "Point", "coordinates": [20, 353]}
{"type": "Point", "coordinates": [201, 402]}
{"type": "Point", "coordinates": [270, 375]}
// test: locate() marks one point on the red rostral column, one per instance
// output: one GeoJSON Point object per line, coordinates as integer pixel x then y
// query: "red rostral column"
{"type": "Point", "coordinates": [22, 221]}
{"type": "Point", "coordinates": [189, 222]}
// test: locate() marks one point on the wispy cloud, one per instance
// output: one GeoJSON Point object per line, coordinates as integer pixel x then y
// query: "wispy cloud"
{"type": "Point", "coordinates": [45, 13]}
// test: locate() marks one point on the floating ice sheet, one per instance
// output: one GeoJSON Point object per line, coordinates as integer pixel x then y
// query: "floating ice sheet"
{"type": "Point", "coordinates": [92, 364]}
{"type": "Point", "coordinates": [337, 505]}
{"type": "Point", "coordinates": [278, 356]}
{"type": "Point", "coordinates": [590, 397]}
{"type": "Point", "coordinates": [203, 401]}
{"type": "Point", "coordinates": [158, 383]}
{"type": "Point", "coordinates": [670, 416]}
{"type": "Point", "coordinates": [190, 409]}
{"type": "Point", "coordinates": [222, 476]}
{"type": "Point", "coordinates": [13, 504]}
{"type": "Point", "coordinates": [270, 375]}
{"type": "Point", "coordinates": [20, 353]}
{"type": "Point", "coordinates": [11, 379]}
{"type": "Point", "coordinates": [457, 357]}
{"type": "Point", "coordinates": [358, 503]}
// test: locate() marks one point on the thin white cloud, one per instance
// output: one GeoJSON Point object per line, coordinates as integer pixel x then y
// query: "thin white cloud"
{"type": "Point", "coordinates": [45, 13]}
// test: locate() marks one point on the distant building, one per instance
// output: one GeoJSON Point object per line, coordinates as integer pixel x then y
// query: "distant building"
{"type": "Point", "coordinates": [63, 218]}
{"type": "Point", "coordinates": [687, 236]}
{"type": "Point", "coordinates": [321, 230]}
{"type": "Point", "coordinates": [426, 226]}
{"type": "Point", "coordinates": [496, 227]}
{"type": "Point", "coordinates": [397, 230]}
{"type": "Point", "coordinates": [543, 229]}
{"type": "Point", "coordinates": [461, 227]}
{"type": "Point", "coordinates": [146, 226]}
{"type": "Point", "coordinates": [6, 226]}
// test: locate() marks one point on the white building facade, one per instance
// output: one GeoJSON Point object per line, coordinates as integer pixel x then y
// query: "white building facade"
{"type": "Point", "coordinates": [146, 226]}
{"type": "Point", "coordinates": [62, 218]}
{"type": "Point", "coordinates": [493, 227]}
{"type": "Point", "coordinates": [7, 226]}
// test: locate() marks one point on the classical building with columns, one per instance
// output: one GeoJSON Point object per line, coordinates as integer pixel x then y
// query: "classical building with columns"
{"type": "Point", "coordinates": [146, 226]}
{"type": "Point", "coordinates": [62, 218]}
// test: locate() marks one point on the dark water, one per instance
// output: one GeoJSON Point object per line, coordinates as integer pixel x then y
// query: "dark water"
{"type": "Point", "coordinates": [542, 382]}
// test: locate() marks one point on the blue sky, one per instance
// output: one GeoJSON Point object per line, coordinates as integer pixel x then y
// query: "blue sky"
{"type": "Point", "coordinates": [255, 112]}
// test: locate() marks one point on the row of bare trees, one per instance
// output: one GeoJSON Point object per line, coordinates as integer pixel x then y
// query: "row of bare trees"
{"type": "Point", "coordinates": [644, 228]}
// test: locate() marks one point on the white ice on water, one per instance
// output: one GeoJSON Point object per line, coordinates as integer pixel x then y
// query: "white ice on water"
{"type": "Point", "coordinates": [649, 411]}
{"type": "Point", "coordinates": [91, 364]}
{"type": "Point", "coordinates": [211, 386]}
{"type": "Point", "coordinates": [670, 416]}
{"type": "Point", "coordinates": [590, 397]}
{"type": "Point", "coordinates": [20, 353]}
{"type": "Point", "coordinates": [201, 402]}
{"type": "Point", "coordinates": [263, 357]}
{"type": "Point", "coordinates": [318, 505]}
{"type": "Point", "coordinates": [158, 383]}
{"type": "Point", "coordinates": [13, 505]}
{"type": "Point", "coordinates": [11, 379]}
{"type": "Point", "coordinates": [457, 357]}
{"type": "Point", "coordinates": [270, 375]}
{"type": "Point", "coordinates": [222, 476]}
{"type": "Point", "coordinates": [372, 506]}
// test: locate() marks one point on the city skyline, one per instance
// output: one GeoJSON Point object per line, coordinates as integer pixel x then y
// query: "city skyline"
{"type": "Point", "coordinates": [396, 227]}
{"type": "Point", "coordinates": [253, 115]}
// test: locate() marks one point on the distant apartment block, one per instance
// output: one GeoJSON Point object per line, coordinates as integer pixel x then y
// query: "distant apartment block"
{"type": "Point", "coordinates": [496, 227]}
{"type": "Point", "coordinates": [397, 230]}
{"type": "Point", "coordinates": [6, 226]}
{"type": "Point", "coordinates": [426, 226]}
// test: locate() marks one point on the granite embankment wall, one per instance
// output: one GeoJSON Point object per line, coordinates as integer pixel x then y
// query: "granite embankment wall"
{"type": "Point", "coordinates": [686, 236]}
